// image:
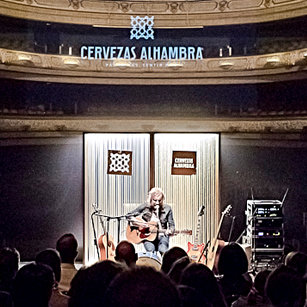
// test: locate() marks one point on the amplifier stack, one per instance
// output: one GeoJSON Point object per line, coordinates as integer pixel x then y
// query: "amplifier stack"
{"type": "Point", "coordinates": [265, 231]}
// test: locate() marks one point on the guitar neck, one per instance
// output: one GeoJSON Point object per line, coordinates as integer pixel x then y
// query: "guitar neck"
{"type": "Point", "coordinates": [226, 211]}
{"type": "Point", "coordinates": [196, 239]}
{"type": "Point", "coordinates": [218, 231]}
{"type": "Point", "coordinates": [174, 232]}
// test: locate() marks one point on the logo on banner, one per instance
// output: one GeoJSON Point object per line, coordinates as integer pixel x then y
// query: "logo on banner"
{"type": "Point", "coordinates": [142, 27]}
{"type": "Point", "coordinates": [119, 162]}
{"type": "Point", "coordinates": [184, 163]}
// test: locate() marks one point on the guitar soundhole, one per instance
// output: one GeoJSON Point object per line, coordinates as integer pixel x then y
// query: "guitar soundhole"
{"type": "Point", "coordinates": [144, 232]}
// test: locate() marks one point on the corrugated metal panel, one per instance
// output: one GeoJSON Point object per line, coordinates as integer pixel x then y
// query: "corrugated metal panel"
{"type": "Point", "coordinates": [187, 193]}
{"type": "Point", "coordinates": [115, 195]}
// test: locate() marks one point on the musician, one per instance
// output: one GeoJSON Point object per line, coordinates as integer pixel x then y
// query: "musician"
{"type": "Point", "coordinates": [155, 210]}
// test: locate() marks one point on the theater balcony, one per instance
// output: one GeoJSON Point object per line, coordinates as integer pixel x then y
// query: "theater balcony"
{"type": "Point", "coordinates": [250, 75]}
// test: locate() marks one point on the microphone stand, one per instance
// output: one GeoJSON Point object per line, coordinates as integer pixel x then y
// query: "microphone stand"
{"type": "Point", "coordinates": [231, 228]}
{"type": "Point", "coordinates": [204, 249]}
{"type": "Point", "coordinates": [95, 235]}
{"type": "Point", "coordinates": [97, 212]}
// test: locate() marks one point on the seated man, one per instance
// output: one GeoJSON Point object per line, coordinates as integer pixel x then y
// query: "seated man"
{"type": "Point", "coordinates": [155, 211]}
{"type": "Point", "coordinates": [67, 246]}
{"type": "Point", "coordinates": [52, 258]}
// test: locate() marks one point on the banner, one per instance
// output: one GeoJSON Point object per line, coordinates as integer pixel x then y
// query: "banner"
{"type": "Point", "coordinates": [184, 163]}
{"type": "Point", "coordinates": [119, 162]}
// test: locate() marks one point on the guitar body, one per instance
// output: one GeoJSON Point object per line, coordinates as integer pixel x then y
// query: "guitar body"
{"type": "Point", "coordinates": [216, 245]}
{"type": "Point", "coordinates": [194, 252]}
{"type": "Point", "coordinates": [106, 247]}
{"type": "Point", "coordinates": [137, 233]}
{"type": "Point", "coordinates": [213, 255]}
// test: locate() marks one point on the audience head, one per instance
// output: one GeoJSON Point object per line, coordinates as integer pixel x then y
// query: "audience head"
{"type": "Point", "coordinates": [232, 261]}
{"type": "Point", "coordinates": [142, 286]}
{"type": "Point", "coordinates": [171, 256]}
{"type": "Point", "coordinates": [89, 285]}
{"type": "Point", "coordinates": [125, 253]}
{"type": "Point", "coordinates": [176, 270]}
{"type": "Point", "coordinates": [284, 287]}
{"type": "Point", "coordinates": [33, 285]}
{"type": "Point", "coordinates": [260, 280]}
{"type": "Point", "coordinates": [297, 261]}
{"type": "Point", "coordinates": [5, 299]}
{"type": "Point", "coordinates": [257, 293]}
{"type": "Point", "coordinates": [52, 258]}
{"type": "Point", "coordinates": [189, 297]}
{"type": "Point", "coordinates": [201, 278]}
{"type": "Point", "coordinates": [9, 263]}
{"type": "Point", "coordinates": [67, 246]}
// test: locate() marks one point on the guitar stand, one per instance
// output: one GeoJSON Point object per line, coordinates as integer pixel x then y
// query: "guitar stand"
{"type": "Point", "coordinates": [108, 218]}
{"type": "Point", "coordinates": [205, 249]}
{"type": "Point", "coordinates": [95, 235]}
{"type": "Point", "coordinates": [106, 231]}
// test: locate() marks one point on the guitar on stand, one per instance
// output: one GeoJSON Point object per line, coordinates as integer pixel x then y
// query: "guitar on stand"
{"type": "Point", "coordinates": [216, 244]}
{"type": "Point", "coordinates": [139, 230]}
{"type": "Point", "coordinates": [196, 250]}
{"type": "Point", "coordinates": [106, 245]}
{"type": "Point", "coordinates": [105, 241]}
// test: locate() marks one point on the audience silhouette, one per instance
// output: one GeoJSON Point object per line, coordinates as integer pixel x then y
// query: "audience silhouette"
{"type": "Point", "coordinates": [124, 283]}
{"type": "Point", "coordinates": [125, 253]}
{"type": "Point", "coordinates": [33, 285]}
{"type": "Point", "coordinates": [297, 261]}
{"type": "Point", "coordinates": [89, 285]}
{"type": "Point", "coordinates": [6, 299]}
{"type": "Point", "coordinates": [9, 264]}
{"type": "Point", "coordinates": [52, 258]}
{"type": "Point", "coordinates": [202, 280]}
{"type": "Point", "coordinates": [67, 246]}
{"type": "Point", "coordinates": [176, 269]}
{"type": "Point", "coordinates": [142, 286]}
{"type": "Point", "coordinates": [171, 256]}
{"type": "Point", "coordinates": [256, 296]}
{"type": "Point", "coordinates": [233, 267]}
{"type": "Point", "coordinates": [285, 287]}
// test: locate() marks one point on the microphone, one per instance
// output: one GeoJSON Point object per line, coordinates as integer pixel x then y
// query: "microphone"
{"type": "Point", "coordinates": [157, 208]}
{"type": "Point", "coordinates": [96, 207]}
{"type": "Point", "coordinates": [201, 210]}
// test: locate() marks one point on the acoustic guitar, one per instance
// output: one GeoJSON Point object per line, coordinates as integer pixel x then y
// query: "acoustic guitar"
{"type": "Point", "coordinates": [195, 250]}
{"type": "Point", "coordinates": [106, 245]}
{"type": "Point", "coordinates": [138, 231]}
{"type": "Point", "coordinates": [215, 243]}
{"type": "Point", "coordinates": [105, 242]}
